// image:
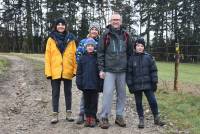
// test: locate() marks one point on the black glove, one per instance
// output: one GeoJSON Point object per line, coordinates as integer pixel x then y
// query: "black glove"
{"type": "Point", "coordinates": [49, 77]}
{"type": "Point", "coordinates": [79, 87]}
{"type": "Point", "coordinates": [131, 89]}
{"type": "Point", "coordinates": [154, 86]}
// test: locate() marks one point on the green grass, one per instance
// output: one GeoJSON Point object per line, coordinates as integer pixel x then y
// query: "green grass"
{"type": "Point", "coordinates": [3, 65]}
{"type": "Point", "coordinates": [181, 109]}
{"type": "Point", "coordinates": [188, 73]}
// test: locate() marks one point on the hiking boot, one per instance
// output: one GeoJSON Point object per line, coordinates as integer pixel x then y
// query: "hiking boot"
{"type": "Point", "coordinates": [157, 121]}
{"type": "Point", "coordinates": [69, 116]}
{"type": "Point", "coordinates": [87, 122]}
{"type": "Point", "coordinates": [120, 121]}
{"type": "Point", "coordinates": [80, 119]}
{"type": "Point", "coordinates": [141, 122]}
{"type": "Point", "coordinates": [54, 119]}
{"type": "Point", "coordinates": [92, 122]}
{"type": "Point", "coordinates": [104, 124]}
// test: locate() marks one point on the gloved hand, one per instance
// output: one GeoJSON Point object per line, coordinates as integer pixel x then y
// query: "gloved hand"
{"type": "Point", "coordinates": [79, 87]}
{"type": "Point", "coordinates": [154, 86]}
{"type": "Point", "coordinates": [131, 89]}
{"type": "Point", "coordinates": [49, 77]}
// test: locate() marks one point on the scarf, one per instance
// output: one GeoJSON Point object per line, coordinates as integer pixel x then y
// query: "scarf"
{"type": "Point", "coordinates": [62, 39]}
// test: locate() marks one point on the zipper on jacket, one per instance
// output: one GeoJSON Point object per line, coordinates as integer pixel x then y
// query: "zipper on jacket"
{"type": "Point", "coordinates": [114, 46]}
{"type": "Point", "coordinates": [140, 65]}
{"type": "Point", "coordinates": [120, 46]}
{"type": "Point", "coordinates": [62, 66]}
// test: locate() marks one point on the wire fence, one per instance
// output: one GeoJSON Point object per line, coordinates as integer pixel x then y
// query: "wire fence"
{"type": "Point", "coordinates": [188, 53]}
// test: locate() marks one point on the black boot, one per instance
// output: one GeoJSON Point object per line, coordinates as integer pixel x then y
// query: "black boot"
{"type": "Point", "coordinates": [141, 122]}
{"type": "Point", "coordinates": [157, 121]}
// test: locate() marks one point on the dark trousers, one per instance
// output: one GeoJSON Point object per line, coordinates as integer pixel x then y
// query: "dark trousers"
{"type": "Point", "coordinates": [56, 93]}
{"type": "Point", "coordinates": [151, 100]}
{"type": "Point", "coordinates": [90, 103]}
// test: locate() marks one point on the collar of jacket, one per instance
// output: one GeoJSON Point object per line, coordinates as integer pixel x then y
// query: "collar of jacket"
{"type": "Point", "coordinates": [68, 37]}
{"type": "Point", "coordinates": [144, 53]}
{"type": "Point", "coordinates": [138, 54]}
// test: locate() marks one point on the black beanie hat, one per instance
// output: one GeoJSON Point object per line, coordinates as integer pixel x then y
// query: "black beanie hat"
{"type": "Point", "coordinates": [139, 41]}
{"type": "Point", "coordinates": [60, 20]}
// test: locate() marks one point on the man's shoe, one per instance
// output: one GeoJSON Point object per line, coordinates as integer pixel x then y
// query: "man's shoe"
{"type": "Point", "coordinates": [120, 121]}
{"type": "Point", "coordinates": [104, 124]}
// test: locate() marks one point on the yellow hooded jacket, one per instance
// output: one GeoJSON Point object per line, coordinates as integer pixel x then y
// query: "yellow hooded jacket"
{"type": "Point", "coordinates": [58, 65]}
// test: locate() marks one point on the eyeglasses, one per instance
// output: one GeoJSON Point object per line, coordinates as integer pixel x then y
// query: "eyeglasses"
{"type": "Point", "coordinates": [115, 19]}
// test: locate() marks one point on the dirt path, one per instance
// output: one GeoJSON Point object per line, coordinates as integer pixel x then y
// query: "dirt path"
{"type": "Point", "coordinates": [25, 105]}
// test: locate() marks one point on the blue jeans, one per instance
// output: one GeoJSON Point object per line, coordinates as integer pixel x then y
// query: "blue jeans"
{"type": "Point", "coordinates": [151, 100]}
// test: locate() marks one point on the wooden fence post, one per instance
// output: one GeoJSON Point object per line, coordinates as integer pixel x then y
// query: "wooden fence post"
{"type": "Point", "coordinates": [177, 60]}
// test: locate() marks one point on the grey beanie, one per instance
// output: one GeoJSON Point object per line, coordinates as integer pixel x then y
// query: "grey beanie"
{"type": "Point", "coordinates": [94, 24]}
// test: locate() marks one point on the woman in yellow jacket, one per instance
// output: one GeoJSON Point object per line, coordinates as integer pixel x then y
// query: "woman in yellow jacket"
{"type": "Point", "coordinates": [60, 65]}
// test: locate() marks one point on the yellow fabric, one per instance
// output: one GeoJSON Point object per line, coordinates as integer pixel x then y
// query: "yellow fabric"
{"type": "Point", "coordinates": [58, 66]}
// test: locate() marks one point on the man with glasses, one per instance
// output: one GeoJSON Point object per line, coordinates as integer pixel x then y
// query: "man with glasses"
{"type": "Point", "coordinates": [113, 52]}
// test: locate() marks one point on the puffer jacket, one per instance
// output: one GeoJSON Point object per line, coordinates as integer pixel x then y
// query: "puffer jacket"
{"type": "Point", "coordinates": [141, 73]}
{"type": "Point", "coordinates": [87, 76]}
{"type": "Point", "coordinates": [59, 65]}
{"type": "Point", "coordinates": [112, 57]}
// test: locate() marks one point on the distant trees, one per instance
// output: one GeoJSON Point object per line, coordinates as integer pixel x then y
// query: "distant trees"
{"type": "Point", "coordinates": [25, 24]}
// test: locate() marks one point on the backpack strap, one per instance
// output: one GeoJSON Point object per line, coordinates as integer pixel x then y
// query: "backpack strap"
{"type": "Point", "coordinates": [126, 37]}
{"type": "Point", "coordinates": [106, 39]}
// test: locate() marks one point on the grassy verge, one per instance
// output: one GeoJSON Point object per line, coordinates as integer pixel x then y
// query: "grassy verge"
{"type": "Point", "coordinates": [182, 110]}
{"type": "Point", "coordinates": [3, 65]}
{"type": "Point", "coordinates": [188, 73]}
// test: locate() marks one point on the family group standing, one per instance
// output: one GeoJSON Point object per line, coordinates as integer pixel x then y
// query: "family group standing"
{"type": "Point", "coordinates": [105, 63]}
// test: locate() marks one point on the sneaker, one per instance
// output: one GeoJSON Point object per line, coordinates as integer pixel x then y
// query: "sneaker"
{"type": "Point", "coordinates": [120, 121]}
{"type": "Point", "coordinates": [141, 122]}
{"type": "Point", "coordinates": [87, 122]}
{"type": "Point", "coordinates": [80, 119]}
{"type": "Point", "coordinates": [157, 121]}
{"type": "Point", "coordinates": [69, 116]}
{"type": "Point", "coordinates": [54, 119]}
{"type": "Point", "coordinates": [104, 123]}
{"type": "Point", "coordinates": [92, 122]}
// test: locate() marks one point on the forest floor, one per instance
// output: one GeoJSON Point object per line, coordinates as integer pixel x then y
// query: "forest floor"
{"type": "Point", "coordinates": [25, 104]}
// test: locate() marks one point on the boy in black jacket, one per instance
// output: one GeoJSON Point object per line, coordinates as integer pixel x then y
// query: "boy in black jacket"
{"type": "Point", "coordinates": [88, 80]}
{"type": "Point", "coordinates": [142, 77]}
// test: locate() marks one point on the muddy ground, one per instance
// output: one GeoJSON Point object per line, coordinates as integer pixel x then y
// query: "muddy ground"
{"type": "Point", "coordinates": [25, 105]}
